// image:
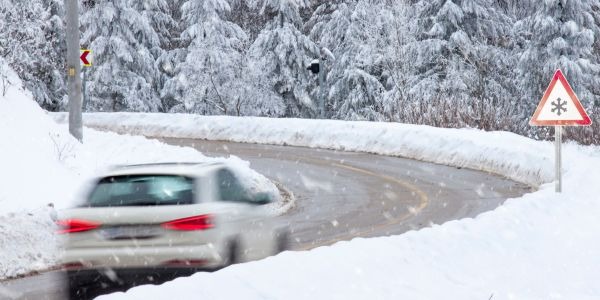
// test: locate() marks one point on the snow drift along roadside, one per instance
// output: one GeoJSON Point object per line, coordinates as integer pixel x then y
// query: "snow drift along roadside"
{"type": "Point", "coordinates": [469, 148]}
{"type": "Point", "coordinates": [540, 246]}
{"type": "Point", "coordinates": [40, 163]}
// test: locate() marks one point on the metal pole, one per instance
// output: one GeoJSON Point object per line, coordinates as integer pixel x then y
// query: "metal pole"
{"type": "Point", "coordinates": [558, 157]}
{"type": "Point", "coordinates": [73, 69]}
{"type": "Point", "coordinates": [322, 87]}
{"type": "Point", "coordinates": [84, 99]}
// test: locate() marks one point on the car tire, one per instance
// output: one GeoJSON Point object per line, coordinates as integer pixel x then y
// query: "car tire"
{"type": "Point", "coordinates": [282, 241]}
{"type": "Point", "coordinates": [81, 287]}
{"type": "Point", "coordinates": [233, 257]}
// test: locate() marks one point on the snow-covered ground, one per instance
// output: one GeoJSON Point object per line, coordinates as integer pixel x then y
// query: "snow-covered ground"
{"type": "Point", "coordinates": [540, 246]}
{"type": "Point", "coordinates": [42, 168]}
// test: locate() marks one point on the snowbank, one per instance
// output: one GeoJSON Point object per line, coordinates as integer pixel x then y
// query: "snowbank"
{"type": "Point", "coordinates": [31, 177]}
{"type": "Point", "coordinates": [540, 246]}
{"type": "Point", "coordinates": [530, 161]}
{"type": "Point", "coordinates": [41, 164]}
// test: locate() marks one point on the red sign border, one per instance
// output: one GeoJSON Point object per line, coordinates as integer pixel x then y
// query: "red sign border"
{"type": "Point", "coordinates": [558, 75]}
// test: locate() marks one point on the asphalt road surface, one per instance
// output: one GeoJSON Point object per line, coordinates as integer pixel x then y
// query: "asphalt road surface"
{"type": "Point", "coordinates": [339, 196]}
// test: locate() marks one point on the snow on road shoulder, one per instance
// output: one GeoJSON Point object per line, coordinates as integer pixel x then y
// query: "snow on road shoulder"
{"type": "Point", "coordinates": [468, 148]}
{"type": "Point", "coordinates": [41, 164]}
{"type": "Point", "coordinates": [539, 246]}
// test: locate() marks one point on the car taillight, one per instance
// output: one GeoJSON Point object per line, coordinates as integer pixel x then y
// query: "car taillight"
{"type": "Point", "coordinates": [202, 222]}
{"type": "Point", "coordinates": [185, 262]}
{"type": "Point", "coordinates": [73, 266]}
{"type": "Point", "coordinates": [76, 225]}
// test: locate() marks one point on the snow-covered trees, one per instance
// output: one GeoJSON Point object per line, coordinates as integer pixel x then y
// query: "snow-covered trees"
{"type": "Point", "coordinates": [458, 58]}
{"type": "Point", "coordinates": [31, 41]}
{"type": "Point", "coordinates": [125, 47]}
{"type": "Point", "coordinates": [169, 29]}
{"type": "Point", "coordinates": [207, 81]}
{"type": "Point", "coordinates": [354, 31]}
{"type": "Point", "coordinates": [560, 34]}
{"type": "Point", "coordinates": [159, 14]}
{"type": "Point", "coordinates": [476, 63]}
{"type": "Point", "coordinates": [280, 55]}
{"type": "Point", "coordinates": [55, 36]}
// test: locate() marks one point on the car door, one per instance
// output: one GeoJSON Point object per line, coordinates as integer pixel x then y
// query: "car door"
{"type": "Point", "coordinates": [246, 217]}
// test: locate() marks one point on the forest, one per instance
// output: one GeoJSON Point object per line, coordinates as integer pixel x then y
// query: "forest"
{"type": "Point", "coordinates": [448, 63]}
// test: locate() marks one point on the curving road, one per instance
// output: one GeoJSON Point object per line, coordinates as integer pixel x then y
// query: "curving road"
{"type": "Point", "coordinates": [341, 195]}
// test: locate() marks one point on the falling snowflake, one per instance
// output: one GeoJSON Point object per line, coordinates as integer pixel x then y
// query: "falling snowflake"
{"type": "Point", "coordinates": [559, 106]}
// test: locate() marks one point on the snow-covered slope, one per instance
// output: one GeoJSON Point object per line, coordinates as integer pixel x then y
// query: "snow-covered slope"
{"type": "Point", "coordinates": [540, 246]}
{"type": "Point", "coordinates": [41, 164]}
{"type": "Point", "coordinates": [30, 177]}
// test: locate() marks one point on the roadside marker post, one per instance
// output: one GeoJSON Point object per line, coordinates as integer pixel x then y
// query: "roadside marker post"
{"type": "Point", "coordinates": [559, 107]}
{"type": "Point", "coordinates": [86, 61]}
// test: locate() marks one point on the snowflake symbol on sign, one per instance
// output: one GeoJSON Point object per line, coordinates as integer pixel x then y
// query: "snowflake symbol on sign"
{"type": "Point", "coordinates": [559, 106]}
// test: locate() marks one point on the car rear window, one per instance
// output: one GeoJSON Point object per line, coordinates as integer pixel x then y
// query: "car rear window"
{"type": "Point", "coordinates": [142, 190]}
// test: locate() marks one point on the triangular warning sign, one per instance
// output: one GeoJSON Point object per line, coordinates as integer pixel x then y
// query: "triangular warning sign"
{"type": "Point", "coordinates": [560, 106]}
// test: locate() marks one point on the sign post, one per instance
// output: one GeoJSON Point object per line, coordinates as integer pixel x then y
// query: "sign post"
{"type": "Point", "coordinates": [559, 107]}
{"type": "Point", "coordinates": [558, 158]}
{"type": "Point", "coordinates": [317, 66]}
{"type": "Point", "coordinates": [86, 61]}
{"type": "Point", "coordinates": [322, 82]}
{"type": "Point", "coordinates": [73, 68]}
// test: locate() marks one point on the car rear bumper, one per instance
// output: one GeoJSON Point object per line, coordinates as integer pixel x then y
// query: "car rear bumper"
{"type": "Point", "coordinates": [197, 256]}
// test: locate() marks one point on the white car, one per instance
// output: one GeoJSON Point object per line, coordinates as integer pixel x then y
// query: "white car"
{"type": "Point", "coordinates": [168, 217]}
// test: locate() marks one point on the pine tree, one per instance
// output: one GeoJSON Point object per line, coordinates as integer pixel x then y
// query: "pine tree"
{"type": "Point", "coordinates": [54, 32]}
{"type": "Point", "coordinates": [356, 33]}
{"type": "Point", "coordinates": [207, 81]}
{"type": "Point", "coordinates": [160, 16]}
{"type": "Point", "coordinates": [560, 34]}
{"type": "Point", "coordinates": [457, 56]}
{"type": "Point", "coordinates": [247, 15]}
{"type": "Point", "coordinates": [124, 75]}
{"type": "Point", "coordinates": [163, 16]}
{"type": "Point", "coordinates": [173, 54]}
{"type": "Point", "coordinates": [280, 54]}
{"type": "Point", "coordinates": [397, 66]}
{"type": "Point", "coordinates": [31, 41]}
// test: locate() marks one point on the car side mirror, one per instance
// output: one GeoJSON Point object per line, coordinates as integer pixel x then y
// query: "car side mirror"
{"type": "Point", "coordinates": [262, 199]}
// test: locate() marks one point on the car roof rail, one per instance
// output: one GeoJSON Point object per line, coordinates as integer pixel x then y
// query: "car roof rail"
{"type": "Point", "coordinates": [166, 164]}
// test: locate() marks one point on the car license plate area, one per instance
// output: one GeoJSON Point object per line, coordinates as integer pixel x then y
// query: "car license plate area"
{"type": "Point", "coordinates": [130, 232]}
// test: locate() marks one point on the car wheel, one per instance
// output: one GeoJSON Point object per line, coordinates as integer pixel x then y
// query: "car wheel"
{"type": "Point", "coordinates": [282, 241]}
{"type": "Point", "coordinates": [234, 253]}
{"type": "Point", "coordinates": [81, 287]}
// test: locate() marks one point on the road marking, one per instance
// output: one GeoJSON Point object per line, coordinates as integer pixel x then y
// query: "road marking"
{"type": "Point", "coordinates": [409, 186]}
{"type": "Point", "coordinates": [424, 199]}
{"type": "Point", "coordinates": [424, 202]}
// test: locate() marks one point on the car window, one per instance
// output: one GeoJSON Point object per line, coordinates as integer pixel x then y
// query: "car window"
{"type": "Point", "coordinates": [142, 190]}
{"type": "Point", "coordinates": [230, 188]}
